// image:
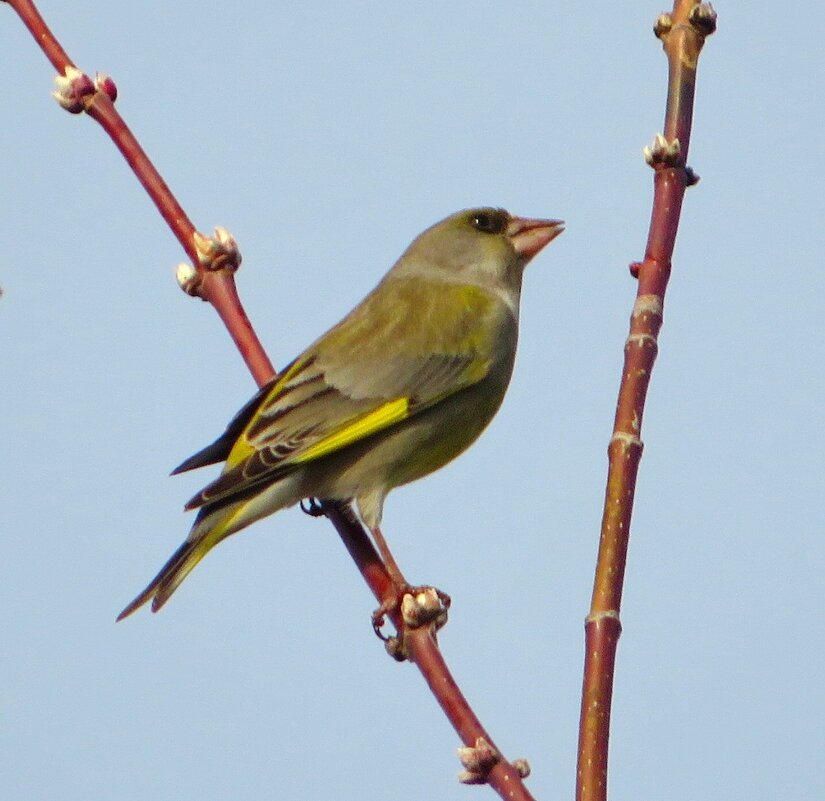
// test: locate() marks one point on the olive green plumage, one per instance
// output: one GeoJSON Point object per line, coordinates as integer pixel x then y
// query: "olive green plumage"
{"type": "Point", "coordinates": [402, 385]}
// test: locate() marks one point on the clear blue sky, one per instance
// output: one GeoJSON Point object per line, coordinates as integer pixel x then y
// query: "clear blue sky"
{"type": "Point", "coordinates": [325, 136]}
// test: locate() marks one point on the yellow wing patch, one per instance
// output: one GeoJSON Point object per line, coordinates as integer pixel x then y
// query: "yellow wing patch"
{"type": "Point", "coordinates": [240, 452]}
{"type": "Point", "coordinates": [384, 416]}
{"type": "Point", "coordinates": [242, 449]}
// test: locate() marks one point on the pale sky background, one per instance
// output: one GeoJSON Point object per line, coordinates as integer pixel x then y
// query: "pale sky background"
{"type": "Point", "coordinates": [325, 136]}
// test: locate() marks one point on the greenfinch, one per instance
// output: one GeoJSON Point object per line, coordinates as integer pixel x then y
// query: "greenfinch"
{"type": "Point", "coordinates": [401, 386]}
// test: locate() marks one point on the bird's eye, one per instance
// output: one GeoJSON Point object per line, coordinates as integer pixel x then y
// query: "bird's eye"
{"type": "Point", "coordinates": [490, 221]}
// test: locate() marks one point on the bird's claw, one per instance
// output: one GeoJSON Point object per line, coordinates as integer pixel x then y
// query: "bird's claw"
{"type": "Point", "coordinates": [312, 507]}
{"type": "Point", "coordinates": [418, 607]}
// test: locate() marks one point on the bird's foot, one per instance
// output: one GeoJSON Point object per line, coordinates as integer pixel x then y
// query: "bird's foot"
{"type": "Point", "coordinates": [312, 507]}
{"type": "Point", "coordinates": [424, 606]}
{"type": "Point", "coordinates": [417, 607]}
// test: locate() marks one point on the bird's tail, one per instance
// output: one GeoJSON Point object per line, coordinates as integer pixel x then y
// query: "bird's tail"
{"type": "Point", "coordinates": [170, 576]}
{"type": "Point", "coordinates": [213, 524]}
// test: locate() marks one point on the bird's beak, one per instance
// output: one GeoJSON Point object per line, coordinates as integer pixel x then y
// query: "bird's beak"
{"type": "Point", "coordinates": [528, 236]}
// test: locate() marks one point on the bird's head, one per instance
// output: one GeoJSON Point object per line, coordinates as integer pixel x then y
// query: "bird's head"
{"type": "Point", "coordinates": [485, 246]}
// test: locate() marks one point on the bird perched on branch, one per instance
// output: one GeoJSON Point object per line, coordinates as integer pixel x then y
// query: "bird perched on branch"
{"type": "Point", "coordinates": [401, 386]}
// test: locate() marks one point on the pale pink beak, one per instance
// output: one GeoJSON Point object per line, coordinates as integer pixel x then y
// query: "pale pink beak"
{"type": "Point", "coordinates": [528, 236]}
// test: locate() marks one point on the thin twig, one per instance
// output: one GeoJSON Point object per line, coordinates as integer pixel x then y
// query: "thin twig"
{"type": "Point", "coordinates": [682, 33]}
{"type": "Point", "coordinates": [96, 98]}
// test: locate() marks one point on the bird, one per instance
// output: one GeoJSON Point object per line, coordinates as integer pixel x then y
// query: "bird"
{"type": "Point", "coordinates": [402, 385]}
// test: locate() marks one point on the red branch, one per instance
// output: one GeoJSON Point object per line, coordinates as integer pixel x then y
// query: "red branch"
{"type": "Point", "coordinates": [213, 281]}
{"type": "Point", "coordinates": [422, 649]}
{"type": "Point", "coordinates": [682, 33]}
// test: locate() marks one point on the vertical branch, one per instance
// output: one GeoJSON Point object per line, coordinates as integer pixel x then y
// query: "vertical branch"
{"type": "Point", "coordinates": [682, 33]}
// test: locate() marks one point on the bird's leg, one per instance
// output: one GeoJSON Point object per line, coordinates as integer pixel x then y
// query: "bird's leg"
{"type": "Point", "coordinates": [397, 576]}
{"type": "Point", "coordinates": [419, 606]}
{"type": "Point", "coordinates": [399, 582]}
{"type": "Point", "coordinates": [389, 560]}
{"type": "Point", "coordinates": [416, 606]}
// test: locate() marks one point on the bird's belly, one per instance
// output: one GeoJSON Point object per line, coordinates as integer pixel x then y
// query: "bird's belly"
{"type": "Point", "coordinates": [414, 448]}
{"type": "Point", "coordinates": [439, 436]}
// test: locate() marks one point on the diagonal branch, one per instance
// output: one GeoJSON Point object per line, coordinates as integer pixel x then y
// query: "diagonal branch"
{"type": "Point", "coordinates": [682, 33]}
{"type": "Point", "coordinates": [211, 277]}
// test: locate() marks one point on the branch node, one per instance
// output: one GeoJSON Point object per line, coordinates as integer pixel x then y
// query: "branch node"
{"type": "Point", "coordinates": [522, 767]}
{"type": "Point", "coordinates": [605, 616]}
{"type": "Point", "coordinates": [104, 83]}
{"type": "Point", "coordinates": [72, 89]}
{"type": "Point", "coordinates": [188, 279]}
{"type": "Point", "coordinates": [478, 761]}
{"type": "Point", "coordinates": [647, 305]}
{"type": "Point", "coordinates": [626, 441]}
{"type": "Point", "coordinates": [419, 607]}
{"type": "Point", "coordinates": [394, 647]}
{"type": "Point", "coordinates": [663, 25]}
{"type": "Point", "coordinates": [703, 19]}
{"type": "Point", "coordinates": [641, 340]}
{"type": "Point", "coordinates": [662, 152]}
{"type": "Point", "coordinates": [424, 606]}
{"type": "Point", "coordinates": [218, 252]}
{"type": "Point", "coordinates": [691, 178]}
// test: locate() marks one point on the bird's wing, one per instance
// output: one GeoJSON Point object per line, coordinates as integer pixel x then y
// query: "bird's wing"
{"type": "Point", "coordinates": [219, 450]}
{"type": "Point", "coordinates": [362, 377]}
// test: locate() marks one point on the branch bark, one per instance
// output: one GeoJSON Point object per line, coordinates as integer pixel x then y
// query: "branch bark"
{"type": "Point", "coordinates": [682, 34]}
